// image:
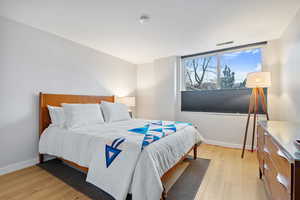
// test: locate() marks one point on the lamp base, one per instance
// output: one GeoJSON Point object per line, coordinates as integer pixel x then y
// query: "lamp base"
{"type": "Point", "coordinates": [253, 109]}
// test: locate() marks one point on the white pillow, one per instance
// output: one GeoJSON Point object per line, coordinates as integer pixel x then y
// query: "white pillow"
{"type": "Point", "coordinates": [57, 115]}
{"type": "Point", "coordinates": [78, 115]}
{"type": "Point", "coordinates": [114, 112]}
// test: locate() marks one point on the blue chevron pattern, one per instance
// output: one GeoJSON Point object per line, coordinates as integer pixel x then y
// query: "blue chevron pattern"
{"type": "Point", "coordinates": [154, 131]}
{"type": "Point", "coordinates": [112, 152]}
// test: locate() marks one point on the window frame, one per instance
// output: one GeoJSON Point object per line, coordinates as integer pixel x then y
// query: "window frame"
{"type": "Point", "coordinates": [218, 54]}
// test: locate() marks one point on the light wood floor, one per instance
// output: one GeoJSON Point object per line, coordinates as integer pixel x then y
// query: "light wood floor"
{"type": "Point", "coordinates": [228, 178]}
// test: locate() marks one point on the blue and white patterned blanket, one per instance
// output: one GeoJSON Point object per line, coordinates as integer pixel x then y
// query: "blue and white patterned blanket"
{"type": "Point", "coordinates": [155, 130]}
{"type": "Point", "coordinates": [117, 155]}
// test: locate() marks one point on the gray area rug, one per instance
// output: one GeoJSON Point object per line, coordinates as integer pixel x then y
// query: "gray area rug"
{"type": "Point", "coordinates": [185, 188]}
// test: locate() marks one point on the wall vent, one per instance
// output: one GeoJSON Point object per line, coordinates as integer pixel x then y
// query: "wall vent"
{"type": "Point", "coordinates": [225, 43]}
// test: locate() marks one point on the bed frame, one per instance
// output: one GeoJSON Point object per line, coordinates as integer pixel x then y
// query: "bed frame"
{"type": "Point", "coordinates": [58, 99]}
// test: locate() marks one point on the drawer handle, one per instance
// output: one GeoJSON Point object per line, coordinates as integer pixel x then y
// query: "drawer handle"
{"type": "Point", "coordinates": [281, 154]}
{"type": "Point", "coordinates": [266, 150]}
{"type": "Point", "coordinates": [282, 180]}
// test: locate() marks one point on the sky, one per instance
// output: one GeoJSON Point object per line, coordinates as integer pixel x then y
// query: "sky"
{"type": "Point", "coordinates": [243, 62]}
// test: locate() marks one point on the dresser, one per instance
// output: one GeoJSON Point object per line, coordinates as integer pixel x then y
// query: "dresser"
{"type": "Point", "coordinates": [279, 159]}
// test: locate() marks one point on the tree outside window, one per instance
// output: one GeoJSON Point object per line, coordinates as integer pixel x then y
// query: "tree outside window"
{"type": "Point", "coordinates": [220, 71]}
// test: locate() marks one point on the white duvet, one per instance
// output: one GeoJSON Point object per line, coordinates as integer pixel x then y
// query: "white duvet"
{"type": "Point", "coordinates": [80, 145]}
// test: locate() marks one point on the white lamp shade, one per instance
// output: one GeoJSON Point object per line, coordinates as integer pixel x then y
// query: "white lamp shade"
{"type": "Point", "coordinates": [129, 101]}
{"type": "Point", "coordinates": [258, 80]}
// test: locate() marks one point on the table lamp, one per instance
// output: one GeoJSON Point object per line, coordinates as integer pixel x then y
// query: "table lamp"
{"type": "Point", "coordinates": [128, 101]}
{"type": "Point", "coordinates": [256, 81]}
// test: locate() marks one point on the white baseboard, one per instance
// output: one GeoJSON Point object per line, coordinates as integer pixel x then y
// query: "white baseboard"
{"type": "Point", "coordinates": [17, 166]}
{"type": "Point", "coordinates": [225, 144]}
{"type": "Point", "coordinates": [29, 163]}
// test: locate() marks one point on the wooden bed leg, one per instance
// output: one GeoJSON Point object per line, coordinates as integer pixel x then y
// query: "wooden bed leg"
{"type": "Point", "coordinates": [260, 174]}
{"type": "Point", "coordinates": [164, 194]}
{"type": "Point", "coordinates": [195, 151]}
{"type": "Point", "coordinates": [41, 158]}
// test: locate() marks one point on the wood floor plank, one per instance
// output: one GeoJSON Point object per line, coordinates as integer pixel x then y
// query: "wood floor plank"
{"type": "Point", "coordinates": [25, 187]}
{"type": "Point", "coordinates": [228, 178]}
{"type": "Point", "coordinates": [71, 194]}
{"type": "Point", "coordinates": [20, 173]}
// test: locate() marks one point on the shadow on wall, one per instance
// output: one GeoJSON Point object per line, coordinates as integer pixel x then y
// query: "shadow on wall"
{"type": "Point", "coordinates": [19, 138]}
{"type": "Point", "coordinates": [156, 102]}
{"type": "Point", "coordinates": [274, 93]}
{"type": "Point", "coordinates": [146, 103]}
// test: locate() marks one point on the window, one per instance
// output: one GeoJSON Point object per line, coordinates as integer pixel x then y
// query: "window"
{"type": "Point", "coordinates": [215, 82]}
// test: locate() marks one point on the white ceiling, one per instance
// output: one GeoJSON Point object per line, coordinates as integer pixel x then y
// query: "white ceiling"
{"type": "Point", "coordinates": [177, 27]}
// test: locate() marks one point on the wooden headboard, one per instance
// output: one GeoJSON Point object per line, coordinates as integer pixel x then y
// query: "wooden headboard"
{"type": "Point", "coordinates": [58, 99]}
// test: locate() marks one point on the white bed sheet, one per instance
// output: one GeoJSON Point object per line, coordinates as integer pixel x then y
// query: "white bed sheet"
{"type": "Point", "coordinates": [78, 146]}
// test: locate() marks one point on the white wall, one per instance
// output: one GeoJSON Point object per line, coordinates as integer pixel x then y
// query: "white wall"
{"type": "Point", "coordinates": [272, 63]}
{"type": "Point", "coordinates": [146, 91]}
{"type": "Point", "coordinates": [156, 89]}
{"type": "Point", "coordinates": [290, 71]}
{"type": "Point", "coordinates": [216, 128]}
{"type": "Point", "coordinates": [32, 61]}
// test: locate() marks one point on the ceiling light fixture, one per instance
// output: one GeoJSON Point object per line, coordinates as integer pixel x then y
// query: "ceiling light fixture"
{"type": "Point", "coordinates": [225, 43]}
{"type": "Point", "coordinates": [144, 19]}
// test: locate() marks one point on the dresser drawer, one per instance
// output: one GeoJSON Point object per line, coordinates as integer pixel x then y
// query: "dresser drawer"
{"type": "Point", "coordinates": [280, 160]}
{"type": "Point", "coordinates": [275, 182]}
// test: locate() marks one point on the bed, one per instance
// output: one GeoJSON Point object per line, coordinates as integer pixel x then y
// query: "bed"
{"type": "Point", "coordinates": [77, 148]}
